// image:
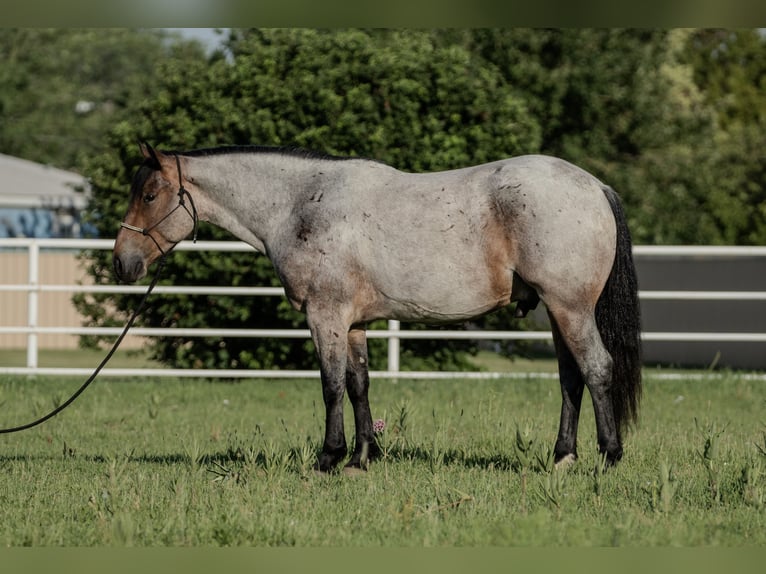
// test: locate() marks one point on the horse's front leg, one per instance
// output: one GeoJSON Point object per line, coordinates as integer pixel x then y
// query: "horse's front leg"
{"type": "Point", "coordinates": [331, 343]}
{"type": "Point", "coordinates": [358, 384]}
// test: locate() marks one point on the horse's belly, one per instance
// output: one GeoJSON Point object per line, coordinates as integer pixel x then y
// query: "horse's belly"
{"type": "Point", "coordinates": [445, 295]}
{"type": "Point", "coordinates": [428, 312]}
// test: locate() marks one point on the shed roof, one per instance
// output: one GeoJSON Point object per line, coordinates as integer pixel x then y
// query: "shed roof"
{"type": "Point", "coordinates": [26, 184]}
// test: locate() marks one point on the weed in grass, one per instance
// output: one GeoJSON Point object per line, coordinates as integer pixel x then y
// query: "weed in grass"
{"type": "Point", "coordinates": [402, 420]}
{"type": "Point", "coordinates": [435, 454]}
{"type": "Point", "coordinates": [104, 503]}
{"type": "Point", "coordinates": [392, 437]}
{"type": "Point", "coordinates": [752, 480]}
{"type": "Point", "coordinates": [153, 408]}
{"type": "Point", "coordinates": [445, 499]}
{"type": "Point", "coordinates": [226, 473]}
{"type": "Point", "coordinates": [530, 455]}
{"type": "Point", "coordinates": [751, 484]}
{"type": "Point", "coordinates": [406, 514]}
{"type": "Point", "coordinates": [100, 505]}
{"type": "Point", "coordinates": [68, 452]}
{"type": "Point", "coordinates": [115, 468]}
{"type": "Point", "coordinates": [123, 529]}
{"type": "Point", "coordinates": [552, 489]}
{"type": "Point", "coordinates": [305, 456]}
{"type": "Point", "coordinates": [544, 458]}
{"type": "Point", "coordinates": [599, 472]}
{"type": "Point", "coordinates": [668, 486]}
{"type": "Point", "coordinates": [276, 460]}
{"type": "Point", "coordinates": [38, 407]}
{"type": "Point", "coordinates": [523, 451]}
{"type": "Point", "coordinates": [663, 490]}
{"type": "Point", "coordinates": [384, 438]}
{"type": "Point", "coordinates": [193, 454]}
{"type": "Point", "coordinates": [237, 451]}
{"type": "Point", "coordinates": [56, 401]}
{"type": "Point", "coordinates": [435, 457]}
{"type": "Point", "coordinates": [710, 459]}
{"type": "Point", "coordinates": [762, 449]}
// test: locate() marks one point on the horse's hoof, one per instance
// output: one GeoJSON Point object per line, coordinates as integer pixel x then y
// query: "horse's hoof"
{"type": "Point", "coordinates": [566, 461]}
{"type": "Point", "coordinates": [612, 456]}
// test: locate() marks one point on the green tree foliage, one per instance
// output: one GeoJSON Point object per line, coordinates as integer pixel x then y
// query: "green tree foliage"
{"type": "Point", "coordinates": [621, 105]}
{"type": "Point", "coordinates": [729, 67]}
{"type": "Point", "coordinates": [672, 119]}
{"type": "Point", "coordinates": [62, 89]}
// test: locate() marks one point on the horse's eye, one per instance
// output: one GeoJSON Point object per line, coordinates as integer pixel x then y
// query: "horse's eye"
{"type": "Point", "coordinates": [149, 197]}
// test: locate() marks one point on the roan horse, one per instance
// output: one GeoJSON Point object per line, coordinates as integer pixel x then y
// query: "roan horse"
{"type": "Point", "coordinates": [353, 240]}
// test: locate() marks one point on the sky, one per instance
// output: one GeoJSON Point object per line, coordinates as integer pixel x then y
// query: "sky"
{"type": "Point", "coordinates": [207, 36]}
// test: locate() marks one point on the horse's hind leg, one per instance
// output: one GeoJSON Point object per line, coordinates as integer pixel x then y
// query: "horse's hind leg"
{"type": "Point", "coordinates": [577, 329]}
{"type": "Point", "coordinates": [572, 386]}
{"type": "Point", "coordinates": [357, 385]}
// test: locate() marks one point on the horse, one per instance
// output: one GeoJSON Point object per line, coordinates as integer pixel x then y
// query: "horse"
{"type": "Point", "coordinates": [353, 240]}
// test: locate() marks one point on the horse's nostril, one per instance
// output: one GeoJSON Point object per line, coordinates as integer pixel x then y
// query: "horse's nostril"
{"type": "Point", "coordinates": [136, 271]}
{"type": "Point", "coordinates": [118, 269]}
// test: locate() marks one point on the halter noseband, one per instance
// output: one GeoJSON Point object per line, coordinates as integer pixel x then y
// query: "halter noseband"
{"type": "Point", "coordinates": [181, 203]}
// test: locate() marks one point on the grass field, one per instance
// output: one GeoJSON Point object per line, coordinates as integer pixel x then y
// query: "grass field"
{"type": "Point", "coordinates": [197, 463]}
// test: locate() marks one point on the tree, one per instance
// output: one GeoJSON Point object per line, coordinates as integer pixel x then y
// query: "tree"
{"type": "Point", "coordinates": [730, 69]}
{"type": "Point", "coordinates": [622, 104]}
{"type": "Point", "coordinates": [61, 89]}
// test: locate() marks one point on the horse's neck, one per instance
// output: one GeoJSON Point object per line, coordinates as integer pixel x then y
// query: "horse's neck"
{"type": "Point", "coordinates": [249, 195]}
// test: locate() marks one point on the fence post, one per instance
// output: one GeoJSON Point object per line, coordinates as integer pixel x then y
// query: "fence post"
{"type": "Point", "coordinates": [33, 260]}
{"type": "Point", "coordinates": [393, 348]}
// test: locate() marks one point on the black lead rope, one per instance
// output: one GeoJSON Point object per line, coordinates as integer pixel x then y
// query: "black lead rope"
{"type": "Point", "coordinates": [104, 361]}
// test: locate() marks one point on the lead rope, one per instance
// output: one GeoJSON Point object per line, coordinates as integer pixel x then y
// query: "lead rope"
{"type": "Point", "coordinates": [104, 361]}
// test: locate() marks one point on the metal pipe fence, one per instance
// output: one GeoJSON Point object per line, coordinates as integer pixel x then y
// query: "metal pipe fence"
{"type": "Point", "coordinates": [394, 334]}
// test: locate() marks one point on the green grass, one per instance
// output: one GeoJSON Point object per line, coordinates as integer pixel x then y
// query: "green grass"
{"type": "Point", "coordinates": [484, 361]}
{"type": "Point", "coordinates": [123, 358]}
{"type": "Point", "coordinates": [195, 463]}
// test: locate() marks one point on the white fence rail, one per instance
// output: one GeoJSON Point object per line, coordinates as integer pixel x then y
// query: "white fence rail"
{"type": "Point", "coordinates": [393, 333]}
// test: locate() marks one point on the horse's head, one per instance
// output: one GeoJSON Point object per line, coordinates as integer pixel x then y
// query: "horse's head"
{"type": "Point", "coordinates": [160, 214]}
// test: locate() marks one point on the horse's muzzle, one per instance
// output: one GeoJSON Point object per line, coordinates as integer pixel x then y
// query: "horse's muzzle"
{"type": "Point", "coordinates": [129, 269]}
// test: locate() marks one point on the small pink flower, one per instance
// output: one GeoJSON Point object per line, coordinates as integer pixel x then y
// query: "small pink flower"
{"type": "Point", "coordinates": [378, 426]}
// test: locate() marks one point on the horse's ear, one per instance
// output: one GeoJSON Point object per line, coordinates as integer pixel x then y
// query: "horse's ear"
{"type": "Point", "coordinates": [148, 152]}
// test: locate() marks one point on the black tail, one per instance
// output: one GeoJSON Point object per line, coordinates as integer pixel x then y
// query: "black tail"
{"type": "Point", "coordinates": [618, 316]}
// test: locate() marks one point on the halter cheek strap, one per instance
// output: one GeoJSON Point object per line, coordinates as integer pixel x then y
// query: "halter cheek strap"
{"type": "Point", "coordinates": [182, 191]}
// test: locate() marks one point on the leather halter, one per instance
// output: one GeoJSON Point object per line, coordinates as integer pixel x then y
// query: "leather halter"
{"type": "Point", "coordinates": [146, 231]}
